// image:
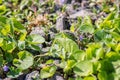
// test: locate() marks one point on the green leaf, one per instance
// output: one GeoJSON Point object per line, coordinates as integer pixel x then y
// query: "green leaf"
{"type": "Point", "coordinates": [47, 71]}
{"type": "Point", "coordinates": [72, 28]}
{"type": "Point", "coordinates": [118, 48]}
{"type": "Point", "coordinates": [116, 36]}
{"type": "Point", "coordinates": [25, 60]}
{"type": "Point", "coordinates": [8, 57]}
{"type": "Point", "coordinates": [86, 26]}
{"type": "Point", "coordinates": [107, 23]}
{"type": "Point", "coordinates": [3, 19]}
{"type": "Point", "coordinates": [69, 45]}
{"type": "Point", "coordinates": [116, 65]}
{"type": "Point", "coordinates": [6, 29]}
{"type": "Point", "coordinates": [70, 64]}
{"type": "Point", "coordinates": [0, 1]}
{"type": "Point", "coordinates": [89, 78]}
{"type": "Point", "coordinates": [21, 45]}
{"type": "Point", "coordinates": [18, 26]}
{"type": "Point", "coordinates": [110, 16]}
{"type": "Point", "coordinates": [113, 56]}
{"type": "Point", "coordinates": [23, 36]}
{"type": "Point", "coordinates": [96, 67]}
{"type": "Point", "coordinates": [2, 9]}
{"type": "Point", "coordinates": [83, 68]}
{"type": "Point", "coordinates": [78, 78]}
{"type": "Point", "coordinates": [113, 76]}
{"type": "Point", "coordinates": [63, 64]}
{"type": "Point", "coordinates": [49, 61]}
{"type": "Point", "coordinates": [100, 34]}
{"type": "Point", "coordinates": [1, 42]}
{"type": "Point", "coordinates": [9, 47]}
{"type": "Point", "coordinates": [95, 51]}
{"type": "Point", "coordinates": [14, 72]}
{"type": "Point", "coordinates": [34, 47]}
{"type": "Point", "coordinates": [78, 55]}
{"type": "Point", "coordinates": [35, 39]}
{"type": "Point", "coordinates": [102, 75]}
{"type": "Point", "coordinates": [106, 65]}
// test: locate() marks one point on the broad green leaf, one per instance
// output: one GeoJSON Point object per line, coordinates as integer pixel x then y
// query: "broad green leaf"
{"type": "Point", "coordinates": [78, 55]}
{"type": "Point", "coordinates": [0, 1]}
{"type": "Point", "coordinates": [113, 76]}
{"type": "Point", "coordinates": [8, 57]}
{"type": "Point", "coordinates": [107, 23]}
{"type": "Point", "coordinates": [9, 47]}
{"type": "Point", "coordinates": [1, 42]}
{"type": "Point", "coordinates": [23, 36]}
{"type": "Point", "coordinates": [117, 23]}
{"type": "Point", "coordinates": [14, 72]}
{"type": "Point", "coordinates": [94, 51]}
{"type": "Point", "coordinates": [96, 67]}
{"type": "Point", "coordinates": [118, 48]}
{"type": "Point", "coordinates": [116, 65]}
{"type": "Point", "coordinates": [86, 26]}
{"type": "Point", "coordinates": [83, 68]}
{"type": "Point", "coordinates": [34, 47]}
{"type": "Point", "coordinates": [110, 17]}
{"type": "Point", "coordinates": [6, 29]}
{"type": "Point", "coordinates": [69, 45]}
{"type": "Point", "coordinates": [89, 78]}
{"type": "Point", "coordinates": [2, 9]}
{"type": "Point", "coordinates": [99, 35]}
{"type": "Point", "coordinates": [63, 64]}
{"type": "Point", "coordinates": [47, 71]}
{"type": "Point", "coordinates": [72, 28]}
{"type": "Point", "coordinates": [18, 26]}
{"type": "Point", "coordinates": [113, 56]}
{"type": "Point", "coordinates": [78, 78]}
{"type": "Point", "coordinates": [106, 65]}
{"type": "Point", "coordinates": [49, 61]}
{"type": "Point", "coordinates": [116, 36]}
{"type": "Point", "coordinates": [21, 45]}
{"type": "Point", "coordinates": [35, 39]}
{"type": "Point", "coordinates": [3, 19]}
{"type": "Point", "coordinates": [25, 60]}
{"type": "Point", "coordinates": [102, 75]}
{"type": "Point", "coordinates": [70, 64]}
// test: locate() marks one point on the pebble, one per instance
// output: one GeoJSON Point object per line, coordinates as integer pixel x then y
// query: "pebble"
{"type": "Point", "coordinates": [32, 75]}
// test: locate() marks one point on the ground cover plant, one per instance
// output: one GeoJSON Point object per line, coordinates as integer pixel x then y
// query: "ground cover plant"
{"type": "Point", "coordinates": [59, 40]}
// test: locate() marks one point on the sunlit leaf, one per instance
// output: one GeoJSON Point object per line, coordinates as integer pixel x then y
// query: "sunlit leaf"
{"type": "Point", "coordinates": [83, 68]}
{"type": "Point", "coordinates": [25, 60]}
{"type": "Point", "coordinates": [35, 39]}
{"type": "Point", "coordinates": [47, 71]}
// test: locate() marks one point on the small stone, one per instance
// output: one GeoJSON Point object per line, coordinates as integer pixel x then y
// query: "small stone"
{"type": "Point", "coordinates": [8, 79]}
{"type": "Point", "coordinates": [45, 50]}
{"type": "Point", "coordinates": [62, 2]}
{"type": "Point", "coordinates": [32, 75]}
{"type": "Point", "coordinates": [57, 77]}
{"type": "Point", "coordinates": [38, 30]}
{"type": "Point", "coordinates": [81, 13]}
{"type": "Point", "coordinates": [62, 24]}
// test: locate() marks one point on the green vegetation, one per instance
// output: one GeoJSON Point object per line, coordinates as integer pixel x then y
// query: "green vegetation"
{"type": "Point", "coordinates": [94, 53]}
